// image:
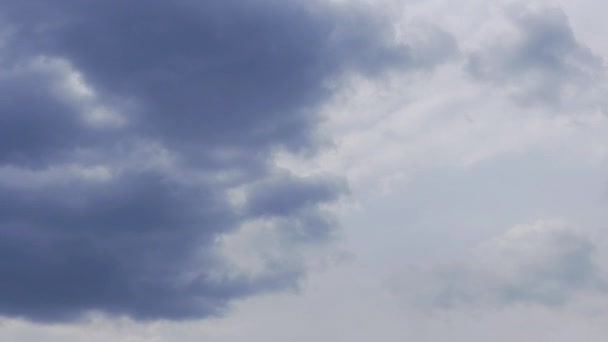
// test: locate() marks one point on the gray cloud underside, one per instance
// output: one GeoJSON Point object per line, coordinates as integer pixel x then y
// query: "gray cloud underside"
{"type": "Point", "coordinates": [123, 218]}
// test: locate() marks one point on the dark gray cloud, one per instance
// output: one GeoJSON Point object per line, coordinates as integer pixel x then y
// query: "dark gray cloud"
{"type": "Point", "coordinates": [28, 134]}
{"type": "Point", "coordinates": [125, 218]}
{"type": "Point", "coordinates": [275, 197]}
{"type": "Point", "coordinates": [541, 62]}
{"type": "Point", "coordinates": [241, 73]}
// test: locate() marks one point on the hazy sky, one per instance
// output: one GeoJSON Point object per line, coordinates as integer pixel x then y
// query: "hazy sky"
{"type": "Point", "coordinates": [266, 170]}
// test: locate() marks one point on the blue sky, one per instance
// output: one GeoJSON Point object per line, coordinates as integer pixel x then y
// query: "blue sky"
{"type": "Point", "coordinates": [291, 170]}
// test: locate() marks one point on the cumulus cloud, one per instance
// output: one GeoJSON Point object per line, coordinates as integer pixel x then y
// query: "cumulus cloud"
{"type": "Point", "coordinates": [134, 137]}
{"type": "Point", "coordinates": [546, 263]}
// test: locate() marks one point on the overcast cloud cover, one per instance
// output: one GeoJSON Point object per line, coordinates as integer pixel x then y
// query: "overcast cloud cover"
{"type": "Point", "coordinates": [303, 170]}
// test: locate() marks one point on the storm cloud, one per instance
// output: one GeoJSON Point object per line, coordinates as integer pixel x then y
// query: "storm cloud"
{"type": "Point", "coordinates": [126, 126]}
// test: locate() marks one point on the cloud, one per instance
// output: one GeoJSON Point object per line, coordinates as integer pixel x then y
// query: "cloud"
{"type": "Point", "coordinates": [545, 263]}
{"type": "Point", "coordinates": [537, 60]}
{"type": "Point", "coordinates": [33, 132]}
{"type": "Point", "coordinates": [126, 129]}
{"type": "Point", "coordinates": [240, 73]}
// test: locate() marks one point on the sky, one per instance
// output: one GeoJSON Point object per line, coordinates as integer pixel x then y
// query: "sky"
{"type": "Point", "coordinates": [322, 170]}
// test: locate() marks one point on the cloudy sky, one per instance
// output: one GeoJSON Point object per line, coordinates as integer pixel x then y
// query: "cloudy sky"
{"type": "Point", "coordinates": [286, 170]}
